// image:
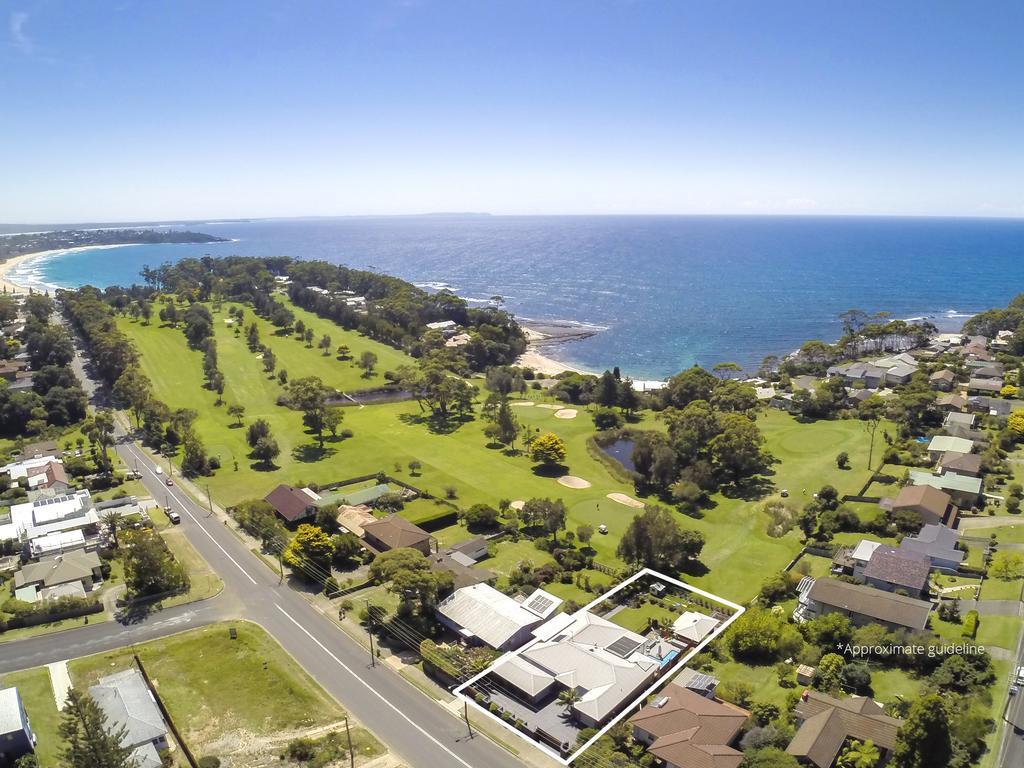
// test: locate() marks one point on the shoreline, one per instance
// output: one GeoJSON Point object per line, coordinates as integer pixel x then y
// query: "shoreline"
{"type": "Point", "coordinates": [540, 335]}
{"type": "Point", "coordinates": [9, 285]}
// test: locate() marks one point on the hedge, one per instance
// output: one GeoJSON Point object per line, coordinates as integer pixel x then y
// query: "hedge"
{"type": "Point", "coordinates": [971, 621]}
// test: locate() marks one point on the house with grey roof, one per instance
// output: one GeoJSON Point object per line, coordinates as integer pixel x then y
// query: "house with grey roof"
{"type": "Point", "coordinates": [16, 736]}
{"type": "Point", "coordinates": [943, 443]}
{"type": "Point", "coordinates": [938, 544]}
{"type": "Point", "coordinates": [607, 665]}
{"type": "Point", "coordinates": [128, 703]}
{"type": "Point", "coordinates": [965, 419]}
{"type": "Point", "coordinates": [951, 403]}
{"type": "Point", "coordinates": [862, 604]}
{"type": "Point", "coordinates": [70, 573]}
{"type": "Point", "coordinates": [894, 569]}
{"type": "Point", "coordinates": [961, 463]}
{"type": "Point", "coordinates": [978, 386]}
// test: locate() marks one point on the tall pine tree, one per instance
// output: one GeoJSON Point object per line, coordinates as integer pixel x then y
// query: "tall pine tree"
{"type": "Point", "coordinates": [88, 741]}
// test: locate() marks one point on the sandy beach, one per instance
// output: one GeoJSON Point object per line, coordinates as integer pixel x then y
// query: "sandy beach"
{"type": "Point", "coordinates": [535, 359]}
{"type": "Point", "coordinates": [9, 265]}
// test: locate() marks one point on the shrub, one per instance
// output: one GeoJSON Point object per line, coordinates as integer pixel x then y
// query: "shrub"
{"type": "Point", "coordinates": [209, 761]}
{"type": "Point", "coordinates": [843, 460]}
{"type": "Point", "coordinates": [971, 621]}
{"type": "Point", "coordinates": [331, 585]}
{"type": "Point", "coordinates": [301, 750]}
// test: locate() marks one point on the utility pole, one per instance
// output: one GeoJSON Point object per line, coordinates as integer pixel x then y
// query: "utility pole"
{"type": "Point", "coordinates": [465, 715]}
{"type": "Point", "coordinates": [351, 754]}
{"type": "Point", "coordinates": [209, 500]}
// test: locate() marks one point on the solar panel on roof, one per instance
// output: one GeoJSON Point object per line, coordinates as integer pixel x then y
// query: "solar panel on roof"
{"type": "Point", "coordinates": [701, 682]}
{"type": "Point", "coordinates": [623, 647]}
{"type": "Point", "coordinates": [540, 604]}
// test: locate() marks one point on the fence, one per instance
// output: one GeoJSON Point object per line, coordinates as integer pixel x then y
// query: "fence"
{"type": "Point", "coordinates": [166, 715]}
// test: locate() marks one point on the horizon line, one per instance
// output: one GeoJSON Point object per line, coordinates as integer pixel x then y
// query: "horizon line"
{"type": "Point", "coordinates": [114, 223]}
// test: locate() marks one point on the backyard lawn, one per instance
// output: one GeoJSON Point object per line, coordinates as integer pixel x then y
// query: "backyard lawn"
{"type": "Point", "coordinates": [997, 589]}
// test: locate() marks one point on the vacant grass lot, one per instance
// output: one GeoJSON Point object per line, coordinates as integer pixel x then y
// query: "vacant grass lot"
{"type": "Point", "coordinates": [395, 434]}
{"type": "Point", "coordinates": [221, 692]}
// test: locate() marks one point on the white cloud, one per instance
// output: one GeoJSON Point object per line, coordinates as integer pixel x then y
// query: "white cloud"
{"type": "Point", "coordinates": [16, 26]}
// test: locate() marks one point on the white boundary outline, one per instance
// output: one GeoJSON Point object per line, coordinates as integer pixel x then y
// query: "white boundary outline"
{"type": "Point", "coordinates": [663, 678]}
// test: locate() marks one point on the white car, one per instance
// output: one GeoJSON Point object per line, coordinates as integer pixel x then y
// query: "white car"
{"type": "Point", "coordinates": [159, 471]}
{"type": "Point", "coordinates": [1020, 675]}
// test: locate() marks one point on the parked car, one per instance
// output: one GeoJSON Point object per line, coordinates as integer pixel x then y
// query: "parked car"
{"type": "Point", "coordinates": [169, 481]}
{"type": "Point", "coordinates": [174, 517]}
{"type": "Point", "coordinates": [159, 471]}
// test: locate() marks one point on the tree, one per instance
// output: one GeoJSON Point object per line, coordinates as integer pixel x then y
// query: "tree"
{"type": "Point", "coordinates": [829, 673]}
{"type": "Point", "coordinates": [568, 698]}
{"type": "Point", "coordinates": [607, 393]}
{"type": "Point", "coordinates": [347, 549]}
{"type": "Point", "coordinates": [505, 426]}
{"type": "Point", "coordinates": [843, 460]}
{"type": "Point", "coordinates": [88, 741]}
{"type": "Point", "coordinates": [585, 533]}
{"type": "Point", "coordinates": [654, 539]}
{"type": "Point", "coordinates": [236, 411]}
{"type": "Point", "coordinates": [480, 517]}
{"type": "Point", "coordinates": [736, 450]}
{"type": "Point", "coordinates": [548, 449]}
{"type": "Point", "coordinates": [924, 740]}
{"type": "Point", "coordinates": [309, 553]}
{"type": "Point", "coordinates": [309, 395]}
{"type": "Point", "coordinates": [265, 451]}
{"type": "Point", "coordinates": [308, 336]}
{"type": "Point", "coordinates": [415, 466]}
{"type": "Point", "coordinates": [132, 390]}
{"type": "Point", "coordinates": [112, 521]}
{"type": "Point", "coordinates": [408, 574]}
{"type": "Point", "coordinates": [1006, 566]}
{"type": "Point", "coordinates": [692, 384]}
{"type": "Point", "coordinates": [629, 400]}
{"type": "Point", "coordinates": [343, 351]}
{"type": "Point", "coordinates": [1015, 423]}
{"type": "Point", "coordinates": [252, 336]}
{"type": "Point", "coordinates": [770, 757]}
{"type": "Point", "coordinates": [759, 635]}
{"type": "Point", "coordinates": [871, 411]}
{"type": "Point", "coordinates": [325, 344]}
{"type": "Point", "coordinates": [333, 417]}
{"type": "Point", "coordinates": [259, 428]}
{"type": "Point", "coordinates": [550, 514]}
{"type": "Point", "coordinates": [100, 430]}
{"type": "Point", "coordinates": [368, 361]}
{"type": "Point", "coordinates": [149, 566]}
{"type": "Point", "coordinates": [269, 360]}
{"type": "Point", "coordinates": [725, 370]}
{"type": "Point", "coordinates": [733, 395]}
{"type": "Point", "coordinates": [194, 460]}
{"type": "Point", "coordinates": [607, 418]}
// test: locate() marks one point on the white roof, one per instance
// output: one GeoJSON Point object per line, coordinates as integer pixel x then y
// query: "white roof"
{"type": "Point", "coordinates": [943, 443]}
{"type": "Point", "coordinates": [10, 711]}
{"type": "Point", "coordinates": [440, 325]}
{"type": "Point", "coordinates": [494, 617]}
{"type": "Point", "coordinates": [865, 550]}
{"type": "Point", "coordinates": [694, 626]}
{"type": "Point", "coordinates": [55, 542]}
{"type": "Point", "coordinates": [33, 519]}
{"type": "Point", "coordinates": [602, 661]}
{"type": "Point", "coordinates": [523, 675]}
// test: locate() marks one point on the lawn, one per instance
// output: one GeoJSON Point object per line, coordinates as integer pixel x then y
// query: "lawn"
{"type": "Point", "coordinates": [37, 696]}
{"type": "Point", "coordinates": [889, 685]}
{"type": "Point", "coordinates": [638, 619]}
{"type": "Point", "coordinates": [762, 680]}
{"type": "Point", "coordinates": [1005, 534]}
{"type": "Point", "coordinates": [223, 694]}
{"type": "Point", "coordinates": [997, 589]}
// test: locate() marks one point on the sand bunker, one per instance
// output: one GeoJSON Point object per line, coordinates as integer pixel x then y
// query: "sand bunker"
{"type": "Point", "coordinates": [523, 403]}
{"type": "Point", "coordinates": [549, 406]}
{"type": "Point", "coordinates": [571, 481]}
{"type": "Point", "coordinates": [629, 501]}
{"type": "Point", "coordinates": [566, 413]}
{"type": "Point", "coordinates": [518, 504]}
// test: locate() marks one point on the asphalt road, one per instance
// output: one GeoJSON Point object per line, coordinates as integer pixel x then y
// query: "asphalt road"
{"type": "Point", "coordinates": [412, 725]}
{"type": "Point", "coordinates": [1011, 752]}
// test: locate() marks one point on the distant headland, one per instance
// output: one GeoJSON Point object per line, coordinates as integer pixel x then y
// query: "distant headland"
{"type": "Point", "coordinates": [35, 242]}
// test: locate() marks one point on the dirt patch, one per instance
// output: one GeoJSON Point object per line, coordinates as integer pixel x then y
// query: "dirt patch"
{"type": "Point", "coordinates": [549, 406]}
{"type": "Point", "coordinates": [628, 501]}
{"type": "Point", "coordinates": [518, 504]}
{"type": "Point", "coordinates": [566, 413]}
{"type": "Point", "coordinates": [523, 404]}
{"type": "Point", "coordinates": [571, 481]}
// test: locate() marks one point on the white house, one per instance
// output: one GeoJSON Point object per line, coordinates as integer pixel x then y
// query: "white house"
{"type": "Point", "coordinates": [480, 613]}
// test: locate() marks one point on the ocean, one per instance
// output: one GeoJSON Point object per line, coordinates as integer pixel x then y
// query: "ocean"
{"type": "Point", "coordinates": [661, 292]}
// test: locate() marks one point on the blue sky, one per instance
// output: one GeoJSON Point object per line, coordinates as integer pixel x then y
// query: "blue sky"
{"type": "Point", "coordinates": [159, 110]}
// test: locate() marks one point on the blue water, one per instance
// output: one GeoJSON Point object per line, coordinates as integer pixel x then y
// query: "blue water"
{"type": "Point", "coordinates": [667, 292]}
